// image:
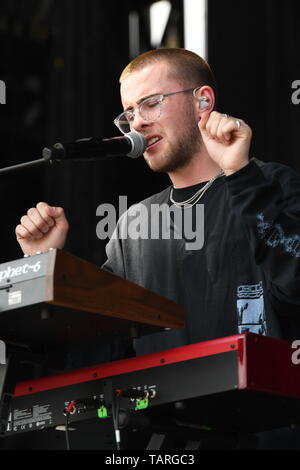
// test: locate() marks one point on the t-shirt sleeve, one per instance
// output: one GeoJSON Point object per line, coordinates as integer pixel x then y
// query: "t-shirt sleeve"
{"type": "Point", "coordinates": [267, 200]}
{"type": "Point", "coordinates": [114, 253]}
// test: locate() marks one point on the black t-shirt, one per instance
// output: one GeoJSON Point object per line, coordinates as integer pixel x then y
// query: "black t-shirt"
{"type": "Point", "coordinates": [241, 270]}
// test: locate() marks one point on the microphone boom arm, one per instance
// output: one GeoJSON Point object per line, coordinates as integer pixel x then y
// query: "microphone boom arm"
{"type": "Point", "coordinates": [132, 145]}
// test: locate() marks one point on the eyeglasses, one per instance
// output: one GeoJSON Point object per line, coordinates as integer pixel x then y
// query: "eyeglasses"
{"type": "Point", "coordinates": [150, 109]}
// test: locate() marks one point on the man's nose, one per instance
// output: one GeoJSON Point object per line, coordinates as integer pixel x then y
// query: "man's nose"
{"type": "Point", "coordinates": [139, 123]}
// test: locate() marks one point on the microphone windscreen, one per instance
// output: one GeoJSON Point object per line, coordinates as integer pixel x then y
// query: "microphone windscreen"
{"type": "Point", "coordinates": [139, 144]}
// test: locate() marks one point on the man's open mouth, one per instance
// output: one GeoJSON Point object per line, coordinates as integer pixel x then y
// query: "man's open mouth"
{"type": "Point", "coordinates": [153, 141]}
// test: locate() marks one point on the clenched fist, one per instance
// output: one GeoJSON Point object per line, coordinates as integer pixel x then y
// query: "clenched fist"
{"type": "Point", "coordinates": [42, 228]}
{"type": "Point", "coordinates": [227, 140]}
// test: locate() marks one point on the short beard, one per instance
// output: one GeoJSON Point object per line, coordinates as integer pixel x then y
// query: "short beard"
{"type": "Point", "coordinates": [184, 149]}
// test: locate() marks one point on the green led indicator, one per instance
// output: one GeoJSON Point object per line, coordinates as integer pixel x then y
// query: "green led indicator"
{"type": "Point", "coordinates": [102, 412]}
{"type": "Point", "coordinates": [206, 428]}
{"type": "Point", "coordinates": [141, 404]}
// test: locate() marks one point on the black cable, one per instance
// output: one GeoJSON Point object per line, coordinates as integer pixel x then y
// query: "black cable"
{"type": "Point", "coordinates": [115, 417]}
{"type": "Point", "coordinates": [67, 431]}
{"type": "Point", "coordinates": [88, 404]}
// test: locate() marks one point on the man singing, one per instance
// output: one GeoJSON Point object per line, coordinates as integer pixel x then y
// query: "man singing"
{"type": "Point", "coordinates": [245, 275]}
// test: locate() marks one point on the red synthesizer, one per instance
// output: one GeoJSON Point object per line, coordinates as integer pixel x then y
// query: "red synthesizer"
{"type": "Point", "coordinates": [241, 382]}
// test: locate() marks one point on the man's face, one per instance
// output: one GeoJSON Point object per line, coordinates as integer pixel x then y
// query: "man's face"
{"type": "Point", "coordinates": [177, 128]}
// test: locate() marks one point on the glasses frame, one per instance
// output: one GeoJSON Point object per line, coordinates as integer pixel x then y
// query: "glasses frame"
{"type": "Point", "coordinates": [161, 98]}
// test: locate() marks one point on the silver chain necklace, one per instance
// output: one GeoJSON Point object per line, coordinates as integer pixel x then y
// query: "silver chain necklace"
{"type": "Point", "coordinates": [195, 198]}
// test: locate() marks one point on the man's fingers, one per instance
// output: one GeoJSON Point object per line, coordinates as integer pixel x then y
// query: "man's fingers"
{"type": "Point", "coordinates": [229, 127]}
{"type": "Point", "coordinates": [216, 127]}
{"type": "Point", "coordinates": [47, 212]}
{"type": "Point", "coordinates": [22, 233]}
{"type": "Point", "coordinates": [221, 127]}
{"type": "Point", "coordinates": [34, 231]}
{"type": "Point", "coordinates": [42, 227]}
{"type": "Point", "coordinates": [40, 219]}
{"type": "Point", "coordinates": [51, 214]}
{"type": "Point", "coordinates": [225, 129]}
{"type": "Point", "coordinates": [43, 223]}
{"type": "Point", "coordinates": [43, 217]}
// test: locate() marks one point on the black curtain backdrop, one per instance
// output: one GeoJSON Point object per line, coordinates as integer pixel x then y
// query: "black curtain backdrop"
{"type": "Point", "coordinates": [61, 61]}
{"type": "Point", "coordinates": [90, 48]}
{"type": "Point", "coordinates": [254, 51]}
{"type": "Point", "coordinates": [81, 54]}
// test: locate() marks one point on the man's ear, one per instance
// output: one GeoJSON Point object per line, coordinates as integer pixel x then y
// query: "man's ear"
{"type": "Point", "coordinates": [205, 97]}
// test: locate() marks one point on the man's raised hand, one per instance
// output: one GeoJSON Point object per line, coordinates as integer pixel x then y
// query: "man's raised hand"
{"type": "Point", "coordinates": [43, 227]}
{"type": "Point", "coordinates": [227, 140]}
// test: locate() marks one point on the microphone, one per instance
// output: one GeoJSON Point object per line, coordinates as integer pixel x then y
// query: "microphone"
{"type": "Point", "coordinates": [132, 145]}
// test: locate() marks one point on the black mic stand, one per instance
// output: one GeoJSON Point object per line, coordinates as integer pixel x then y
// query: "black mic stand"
{"type": "Point", "coordinates": [22, 166]}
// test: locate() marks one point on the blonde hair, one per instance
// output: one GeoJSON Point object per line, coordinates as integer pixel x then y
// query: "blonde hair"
{"type": "Point", "coordinates": [185, 66]}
